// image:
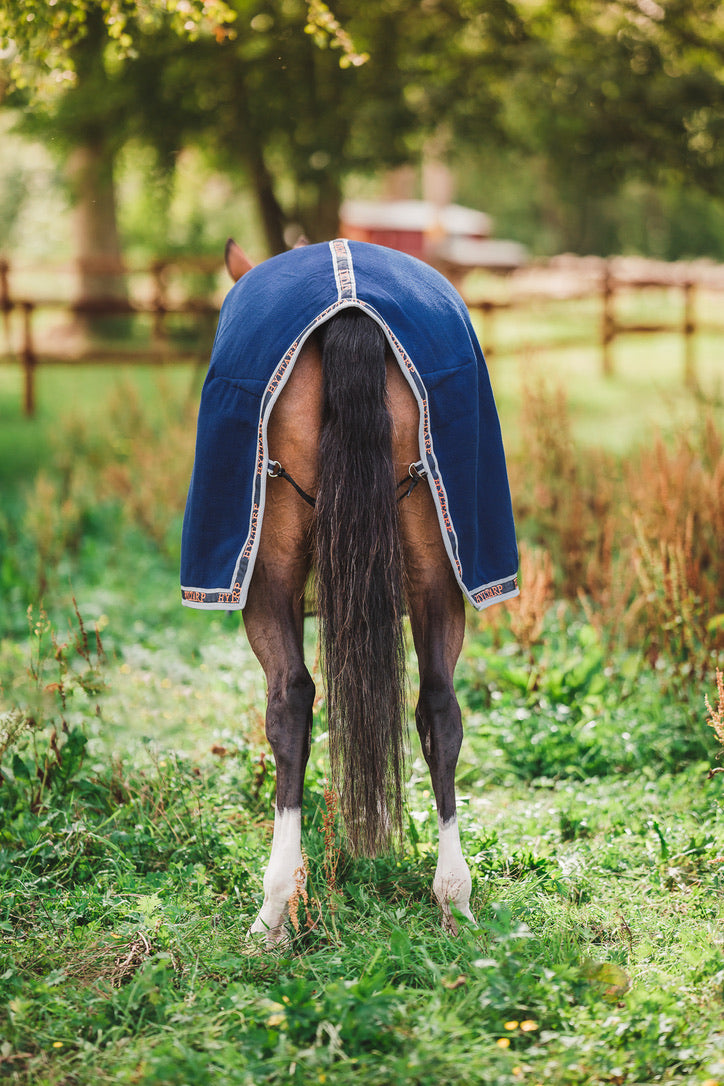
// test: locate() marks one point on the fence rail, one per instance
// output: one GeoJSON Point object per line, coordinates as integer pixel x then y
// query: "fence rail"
{"type": "Point", "coordinates": [607, 283]}
{"type": "Point", "coordinates": [156, 303]}
{"type": "Point", "coordinates": [564, 279]}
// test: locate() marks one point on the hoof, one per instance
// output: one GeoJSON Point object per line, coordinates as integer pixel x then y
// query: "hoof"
{"type": "Point", "coordinates": [452, 890]}
{"type": "Point", "coordinates": [451, 914]}
{"type": "Point", "coordinates": [272, 938]}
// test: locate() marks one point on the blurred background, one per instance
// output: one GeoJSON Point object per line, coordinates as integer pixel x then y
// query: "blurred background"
{"type": "Point", "coordinates": [134, 131]}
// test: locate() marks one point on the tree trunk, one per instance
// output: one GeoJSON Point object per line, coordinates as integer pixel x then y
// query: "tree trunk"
{"type": "Point", "coordinates": [320, 216]}
{"type": "Point", "coordinates": [101, 283]}
{"type": "Point", "coordinates": [271, 212]}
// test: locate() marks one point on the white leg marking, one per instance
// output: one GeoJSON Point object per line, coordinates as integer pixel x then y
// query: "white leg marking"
{"type": "Point", "coordinates": [281, 875]}
{"type": "Point", "coordinates": [452, 883]}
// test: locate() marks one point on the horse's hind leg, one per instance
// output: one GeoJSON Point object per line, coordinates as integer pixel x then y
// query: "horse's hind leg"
{"type": "Point", "coordinates": [438, 623]}
{"type": "Point", "coordinates": [437, 618]}
{"type": "Point", "coordinates": [274, 619]}
{"type": "Point", "coordinates": [273, 622]}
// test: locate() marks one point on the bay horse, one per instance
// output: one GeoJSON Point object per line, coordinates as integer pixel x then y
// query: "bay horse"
{"type": "Point", "coordinates": [323, 464]}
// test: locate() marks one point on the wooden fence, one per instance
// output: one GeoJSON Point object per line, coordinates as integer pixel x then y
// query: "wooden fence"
{"type": "Point", "coordinates": [563, 279]}
{"type": "Point", "coordinates": [29, 342]}
{"type": "Point", "coordinates": [609, 283]}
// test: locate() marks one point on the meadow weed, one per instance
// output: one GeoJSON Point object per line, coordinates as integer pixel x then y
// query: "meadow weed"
{"type": "Point", "coordinates": [715, 713]}
{"type": "Point", "coordinates": [528, 611]}
{"type": "Point", "coordinates": [638, 544]}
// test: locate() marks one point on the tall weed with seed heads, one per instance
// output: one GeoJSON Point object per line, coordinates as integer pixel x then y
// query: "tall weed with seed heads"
{"type": "Point", "coordinates": [639, 545]}
{"type": "Point", "coordinates": [670, 613]}
{"type": "Point", "coordinates": [528, 611]}
{"type": "Point", "coordinates": [53, 523]}
{"type": "Point", "coordinates": [300, 899]}
{"type": "Point", "coordinates": [715, 713]}
{"type": "Point", "coordinates": [310, 910]}
{"type": "Point", "coordinates": [677, 525]}
{"type": "Point", "coordinates": [143, 464]}
{"type": "Point", "coordinates": [42, 746]}
{"type": "Point", "coordinates": [151, 465]}
{"type": "Point", "coordinates": [563, 498]}
{"type": "Point", "coordinates": [330, 830]}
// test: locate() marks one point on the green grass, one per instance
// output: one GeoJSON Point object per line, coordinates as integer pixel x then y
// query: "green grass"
{"type": "Point", "coordinates": [80, 396]}
{"type": "Point", "coordinates": [136, 801]}
{"type": "Point", "coordinates": [132, 871]}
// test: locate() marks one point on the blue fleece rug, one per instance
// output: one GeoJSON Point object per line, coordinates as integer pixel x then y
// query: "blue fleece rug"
{"type": "Point", "coordinates": [264, 322]}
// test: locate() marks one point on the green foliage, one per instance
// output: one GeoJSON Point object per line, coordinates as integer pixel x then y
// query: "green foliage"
{"type": "Point", "coordinates": [580, 125]}
{"type": "Point", "coordinates": [569, 713]}
{"type": "Point", "coordinates": [46, 40]}
{"type": "Point", "coordinates": [615, 94]}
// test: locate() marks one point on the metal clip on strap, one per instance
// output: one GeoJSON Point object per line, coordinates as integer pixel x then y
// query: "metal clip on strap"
{"type": "Point", "coordinates": [275, 471]}
{"type": "Point", "coordinates": [415, 473]}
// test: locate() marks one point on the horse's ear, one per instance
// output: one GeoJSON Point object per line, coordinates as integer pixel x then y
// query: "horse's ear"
{"type": "Point", "coordinates": [301, 242]}
{"type": "Point", "coordinates": [236, 260]}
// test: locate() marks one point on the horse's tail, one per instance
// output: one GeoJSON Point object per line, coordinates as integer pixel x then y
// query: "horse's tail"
{"type": "Point", "coordinates": [359, 579]}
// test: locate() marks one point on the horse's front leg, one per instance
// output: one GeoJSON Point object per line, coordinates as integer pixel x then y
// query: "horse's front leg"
{"type": "Point", "coordinates": [273, 624]}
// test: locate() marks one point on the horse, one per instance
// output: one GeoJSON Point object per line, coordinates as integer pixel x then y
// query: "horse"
{"type": "Point", "coordinates": [344, 486]}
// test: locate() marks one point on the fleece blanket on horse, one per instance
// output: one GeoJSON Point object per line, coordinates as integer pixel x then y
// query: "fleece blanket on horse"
{"type": "Point", "coordinates": [264, 322]}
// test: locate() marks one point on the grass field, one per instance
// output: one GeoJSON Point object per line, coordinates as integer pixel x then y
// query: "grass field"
{"type": "Point", "coordinates": [136, 785]}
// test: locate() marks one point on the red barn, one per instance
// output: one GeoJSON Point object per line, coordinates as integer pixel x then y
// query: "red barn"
{"type": "Point", "coordinates": [451, 237]}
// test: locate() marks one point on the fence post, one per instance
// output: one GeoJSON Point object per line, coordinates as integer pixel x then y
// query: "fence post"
{"type": "Point", "coordinates": [160, 301]}
{"type": "Point", "coordinates": [5, 303]}
{"type": "Point", "coordinates": [689, 328]}
{"type": "Point", "coordinates": [488, 309]}
{"type": "Point", "coordinates": [608, 320]}
{"type": "Point", "coordinates": [29, 358]}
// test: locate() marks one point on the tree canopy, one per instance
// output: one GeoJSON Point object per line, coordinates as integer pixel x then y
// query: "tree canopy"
{"type": "Point", "coordinates": [294, 97]}
{"type": "Point", "coordinates": [611, 91]}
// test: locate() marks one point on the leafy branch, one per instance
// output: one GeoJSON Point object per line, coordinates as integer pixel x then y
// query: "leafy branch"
{"type": "Point", "coordinates": [327, 31]}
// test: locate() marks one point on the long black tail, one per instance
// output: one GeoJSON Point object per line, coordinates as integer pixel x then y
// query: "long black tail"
{"type": "Point", "coordinates": [359, 582]}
